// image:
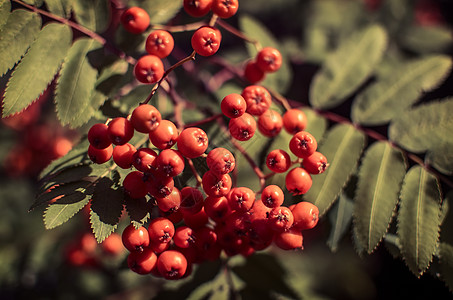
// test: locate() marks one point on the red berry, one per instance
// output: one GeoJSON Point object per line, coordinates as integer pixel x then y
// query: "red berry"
{"type": "Point", "coordinates": [306, 215]}
{"type": "Point", "coordinates": [165, 135]}
{"type": "Point", "coordinates": [142, 262]}
{"type": "Point", "coordinates": [184, 237]}
{"type": "Point", "coordinates": [272, 196]}
{"type": "Point", "coordinates": [303, 144]}
{"type": "Point", "coordinates": [270, 123]}
{"type": "Point", "coordinates": [100, 156]}
{"type": "Point", "coordinates": [253, 73]}
{"type": "Point", "coordinates": [134, 185]}
{"type": "Point", "coordinates": [233, 105]}
{"type": "Point", "coordinates": [220, 161]}
{"type": "Point", "coordinates": [278, 161]}
{"type": "Point", "coordinates": [197, 8]}
{"type": "Point", "coordinates": [258, 99]}
{"type": "Point", "coordinates": [169, 163]}
{"type": "Point", "coordinates": [289, 240]}
{"type": "Point", "coordinates": [145, 118]}
{"type": "Point", "coordinates": [192, 142]}
{"type": "Point", "coordinates": [123, 155]}
{"type": "Point", "coordinates": [196, 220]}
{"type": "Point", "coordinates": [216, 184]}
{"type": "Point", "coordinates": [171, 202]}
{"type": "Point", "coordinates": [298, 181]}
{"type": "Point", "coordinates": [161, 229]}
{"type": "Point", "coordinates": [206, 40]}
{"type": "Point", "coordinates": [225, 8]}
{"type": "Point", "coordinates": [112, 245]}
{"type": "Point", "coordinates": [172, 264]}
{"type": "Point", "coordinates": [315, 163]}
{"type": "Point", "coordinates": [294, 120]}
{"type": "Point", "coordinates": [280, 218]}
{"type": "Point", "coordinates": [217, 207]}
{"type": "Point", "coordinates": [135, 20]}
{"type": "Point", "coordinates": [269, 59]}
{"type": "Point", "coordinates": [144, 160]}
{"type": "Point", "coordinates": [242, 128]}
{"type": "Point", "coordinates": [160, 186]}
{"type": "Point", "coordinates": [98, 136]}
{"type": "Point", "coordinates": [135, 240]}
{"type": "Point", "coordinates": [241, 198]}
{"type": "Point", "coordinates": [149, 69]}
{"type": "Point", "coordinates": [120, 131]}
{"type": "Point", "coordinates": [159, 43]}
{"type": "Point", "coordinates": [191, 200]}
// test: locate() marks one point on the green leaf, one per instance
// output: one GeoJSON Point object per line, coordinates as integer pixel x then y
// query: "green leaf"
{"type": "Point", "coordinates": [392, 95]}
{"type": "Point", "coordinates": [419, 219]}
{"type": "Point", "coordinates": [64, 208]}
{"type": "Point", "coordinates": [441, 158]}
{"type": "Point", "coordinates": [18, 32]}
{"type": "Point", "coordinates": [340, 216]}
{"type": "Point", "coordinates": [446, 264]}
{"type": "Point", "coordinates": [380, 176]}
{"type": "Point", "coordinates": [342, 147]}
{"type": "Point", "coordinates": [60, 8]}
{"type": "Point", "coordinates": [218, 288]}
{"type": "Point", "coordinates": [106, 208]}
{"type": "Point", "coordinates": [76, 82]}
{"type": "Point", "coordinates": [348, 67]}
{"type": "Point", "coordinates": [138, 210]}
{"type": "Point", "coordinates": [280, 80]}
{"type": "Point", "coordinates": [424, 127]}
{"type": "Point", "coordinates": [92, 14]}
{"type": "Point", "coordinates": [160, 11]}
{"type": "Point", "coordinates": [38, 67]}
{"type": "Point", "coordinates": [5, 11]}
{"type": "Point", "coordinates": [427, 39]}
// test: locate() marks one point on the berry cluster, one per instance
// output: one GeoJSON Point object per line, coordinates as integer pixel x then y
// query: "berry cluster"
{"type": "Point", "coordinates": [268, 60]}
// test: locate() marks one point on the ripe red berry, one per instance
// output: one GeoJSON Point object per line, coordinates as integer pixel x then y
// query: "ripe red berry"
{"type": "Point", "coordinates": [161, 229]}
{"type": "Point", "coordinates": [217, 207]}
{"type": "Point", "coordinates": [258, 99]}
{"type": "Point", "coordinates": [270, 123]}
{"type": "Point", "coordinates": [315, 163]}
{"type": "Point", "coordinates": [144, 160]}
{"type": "Point", "coordinates": [134, 185]}
{"type": "Point", "coordinates": [289, 240]}
{"type": "Point", "coordinates": [242, 128]}
{"type": "Point", "coordinates": [306, 215]}
{"type": "Point", "coordinates": [184, 237]}
{"type": "Point", "coordinates": [197, 8]}
{"type": "Point", "coordinates": [171, 202]}
{"type": "Point", "coordinates": [278, 161]}
{"type": "Point", "coordinates": [145, 118]}
{"type": "Point", "coordinates": [135, 20]}
{"type": "Point", "coordinates": [303, 144]}
{"type": "Point", "coordinates": [241, 198]}
{"type": "Point", "coordinates": [233, 105]}
{"type": "Point", "coordinates": [272, 196]}
{"type": "Point", "coordinates": [142, 262]}
{"type": "Point", "coordinates": [280, 218]}
{"type": "Point", "coordinates": [149, 69]}
{"type": "Point", "coordinates": [269, 59]}
{"type": "Point", "coordinates": [165, 135]}
{"type": "Point", "coordinates": [169, 163]}
{"type": "Point", "coordinates": [298, 181]}
{"type": "Point", "coordinates": [172, 264]}
{"type": "Point", "coordinates": [98, 136]}
{"type": "Point", "coordinates": [196, 220]}
{"type": "Point", "coordinates": [123, 155]}
{"type": "Point", "coordinates": [112, 245]}
{"type": "Point", "coordinates": [294, 120]}
{"type": "Point", "coordinates": [159, 43]}
{"type": "Point", "coordinates": [191, 200]}
{"type": "Point", "coordinates": [220, 160]}
{"type": "Point", "coordinates": [160, 186]}
{"type": "Point", "coordinates": [135, 240]}
{"type": "Point", "coordinates": [216, 185]}
{"type": "Point", "coordinates": [100, 156]}
{"type": "Point", "coordinates": [253, 73]}
{"type": "Point", "coordinates": [120, 131]}
{"type": "Point", "coordinates": [192, 142]}
{"type": "Point", "coordinates": [225, 8]}
{"type": "Point", "coordinates": [206, 40]}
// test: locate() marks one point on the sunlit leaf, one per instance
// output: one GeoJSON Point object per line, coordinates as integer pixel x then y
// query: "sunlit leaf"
{"type": "Point", "coordinates": [340, 216]}
{"type": "Point", "coordinates": [441, 158]}
{"type": "Point", "coordinates": [160, 11]}
{"type": "Point", "coordinates": [419, 219]}
{"type": "Point", "coordinates": [348, 67]}
{"type": "Point", "coordinates": [92, 14]}
{"type": "Point", "coordinates": [65, 208]}
{"type": "Point", "coordinates": [380, 176]}
{"type": "Point", "coordinates": [427, 39]}
{"type": "Point", "coordinates": [396, 92]}
{"type": "Point", "coordinates": [60, 8]}
{"type": "Point", "coordinates": [342, 146]}
{"type": "Point", "coordinates": [37, 68]}
{"type": "Point", "coordinates": [5, 9]}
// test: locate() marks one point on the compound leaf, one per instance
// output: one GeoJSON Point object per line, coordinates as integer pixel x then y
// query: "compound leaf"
{"type": "Point", "coordinates": [160, 11]}
{"type": "Point", "coordinates": [419, 219]}
{"type": "Point", "coordinates": [37, 68]}
{"type": "Point", "coordinates": [76, 82]}
{"type": "Point", "coordinates": [64, 208]}
{"type": "Point", "coordinates": [17, 33]}
{"type": "Point", "coordinates": [342, 147]}
{"type": "Point", "coordinates": [397, 91]}
{"type": "Point", "coordinates": [348, 67]}
{"type": "Point", "coordinates": [424, 127]}
{"type": "Point", "coordinates": [5, 10]}
{"type": "Point", "coordinates": [379, 183]}
{"type": "Point", "coordinates": [60, 8]}
{"type": "Point", "coordinates": [92, 14]}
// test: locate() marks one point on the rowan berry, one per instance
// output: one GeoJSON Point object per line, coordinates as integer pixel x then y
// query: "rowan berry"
{"type": "Point", "coordinates": [171, 202]}
{"type": "Point", "coordinates": [172, 264]}
{"type": "Point", "coordinates": [216, 184]}
{"type": "Point", "coordinates": [135, 20]}
{"type": "Point", "coordinates": [142, 262]}
{"type": "Point", "coordinates": [100, 156]}
{"type": "Point", "coordinates": [272, 196]}
{"type": "Point", "coordinates": [191, 200]}
{"type": "Point", "coordinates": [161, 229]}
{"type": "Point", "coordinates": [278, 161]}
{"type": "Point", "coordinates": [120, 131]}
{"type": "Point", "coordinates": [169, 163]}
{"type": "Point", "coordinates": [280, 218]}
{"type": "Point", "coordinates": [220, 161]}
{"type": "Point", "coordinates": [165, 135]}
{"type": "Point", "coordinates": [217, 207]}
{"type": "Point", "coordinates": [112, 245]}
{"type": "Point", "coordinates": [143, 159]}
{"type": "Point", "coordinates": [158, 247]}
{"type": "Point", "coordinates": [298, 181]}
{"type": "Point", "coordinates": [306, 215]}
{"type": "Point", "coordinates": [233, 105]}
{"type": "Point", "coordinates": [159, 43]}
{"type": "Point", "coordinates": [123, 155]}
{"type": "Point", "coordinates": [253, 73]}
{"type": "Point", "coordinates": [134, 185]}
{"type": "Point", "coordinates": [241, 198]}
{"type": "Point", "coordinates": [192, 142]}
{"type": "Point", "coordinates": [135, 240]}
{"type": "Point", "coordinates": [184, 237]}
{"type": "Point", "coordinates": [197, 8]}
{"type": "Point", "coordinates": [270, 123]}
{"type": "Point", "coordinates": [98, 136]}
{"type": "Point", "coordinates": [260, 234]}
{"type": "Point", "coordinates": [269, 59]}
{"type": "Point", "coordinates": [160, 186]}
{"type": "Point", "coordinates": [149, 69]}
{"type": "Point", "coordinates": [315, 163]}
{"type": "Point", "coordinates": [196, 220]}
{"type": "Point", "coordinates": [242, 128]}
{"type": "Point", "coordinates": [258, 99]}
{"type": "Point", "coordinates": [303, 144]}
{"type": "Point", "coordinates": [206, 40]}
{"type": "Point", "coordinates": [289, 240]}
{"type": "Point", "coordinates": [225, 8]}
{"type": "Point", "coordinates": [294, 120]}
{"type": "Point", "coordinates": [145, 118]}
